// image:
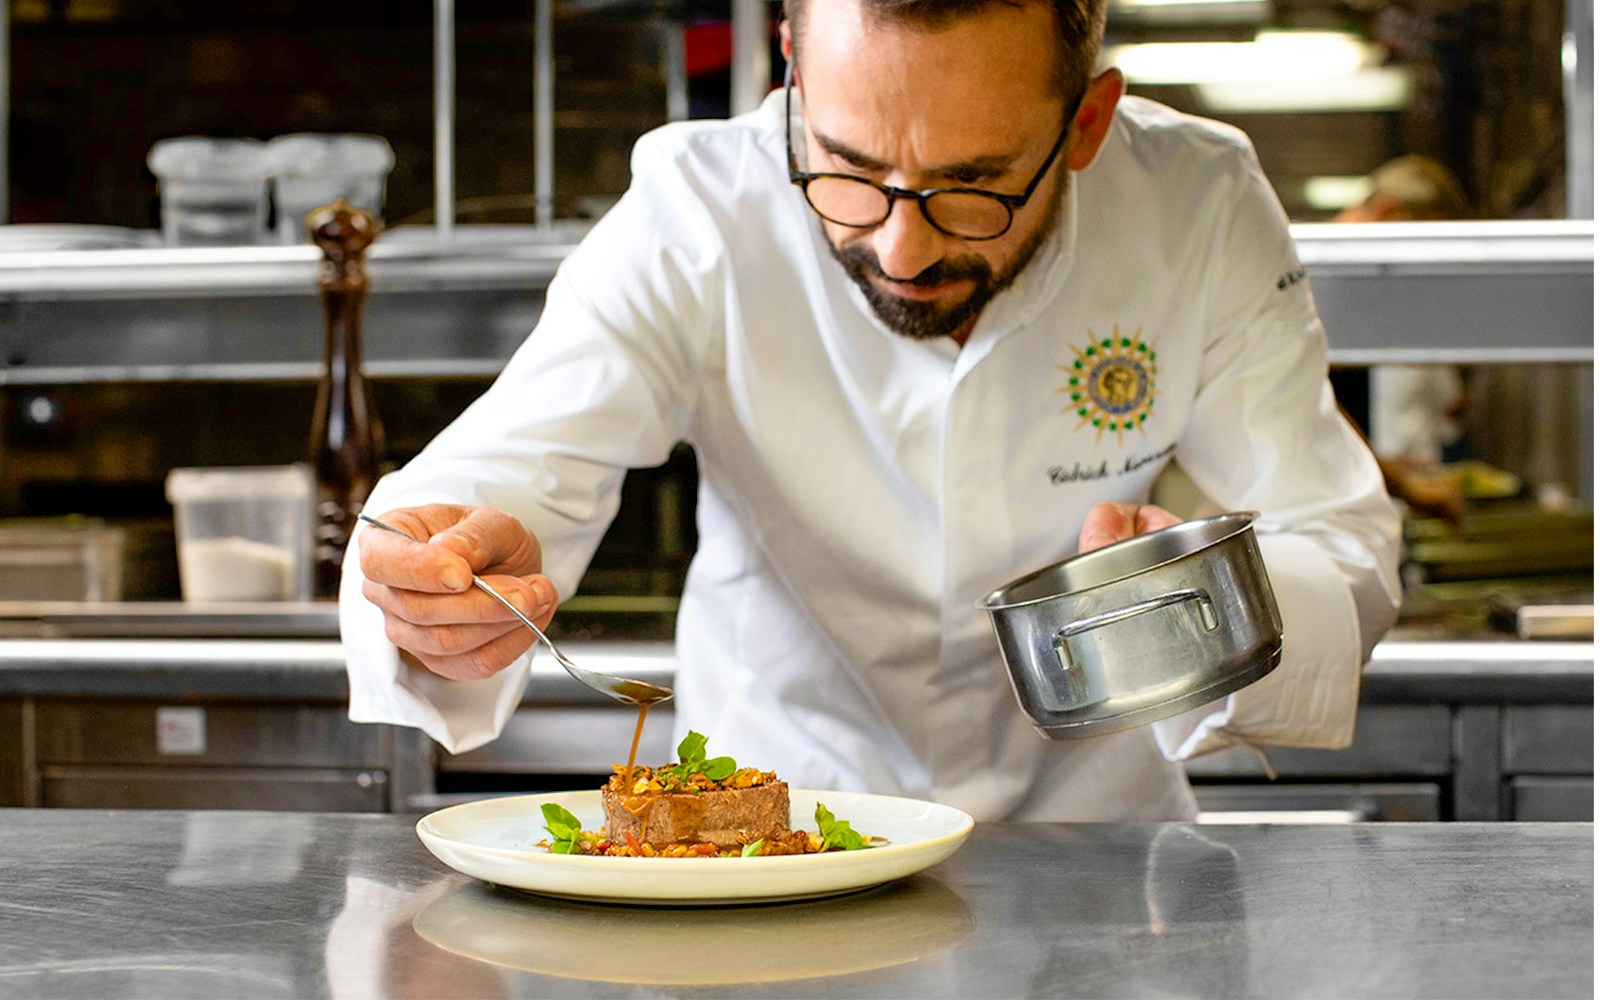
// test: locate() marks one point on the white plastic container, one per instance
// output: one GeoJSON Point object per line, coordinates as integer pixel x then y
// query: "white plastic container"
{"type": "Point", "coordinates": [312, 170]}
{"type": "Point", "coordinates": [213, 191]}
{"type": "Point", "coordinates": [244, 533]}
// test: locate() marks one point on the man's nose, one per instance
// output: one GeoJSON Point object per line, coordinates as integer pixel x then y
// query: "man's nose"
{"type": "Point", "coordinates": [906, 243]}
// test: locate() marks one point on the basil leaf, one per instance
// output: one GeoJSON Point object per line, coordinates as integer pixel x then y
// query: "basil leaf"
{"type": "Point", "coordinates": [564, 847]}
{"type": "Point", "coordinates": [836, 833]}
{"type": "Point", "coordinates": [692, 749]}
{"type": "Point", "coordinates": [718, 768]}
{"type": "Point", "coordinates": [561, 824]}
{"type": "Point", "coordinates": [752, 850]}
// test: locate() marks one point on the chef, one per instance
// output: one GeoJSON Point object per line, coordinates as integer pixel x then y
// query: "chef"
{"type": "Point", "coordinates": [936, 314]}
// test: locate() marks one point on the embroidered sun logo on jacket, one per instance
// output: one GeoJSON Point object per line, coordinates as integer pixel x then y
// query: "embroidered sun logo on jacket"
{"type": "Point", "coordinates": [1111, 384]}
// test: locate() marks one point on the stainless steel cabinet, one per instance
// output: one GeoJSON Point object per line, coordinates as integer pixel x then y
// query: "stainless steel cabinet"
{"type": "Point", "coordinates": [1547, 751]}
{"type": "Point", "coordinates": [1396, 768]}
{"type": "Point", "coordinates": [185, 754]}
{"type": "Point", "coordinates": [1409, 740]}
{"type": "Point", "coordinates": [1468, 761]}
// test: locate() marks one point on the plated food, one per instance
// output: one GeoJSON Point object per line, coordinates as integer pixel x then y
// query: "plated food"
{"type": "Point", "coordinates": [698, 807]}
{"type": "Point", "coordinates": [495, 840]}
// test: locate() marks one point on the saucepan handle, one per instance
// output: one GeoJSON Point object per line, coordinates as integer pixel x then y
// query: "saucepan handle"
{"type": "Point", "coordinates": [1208, 613]}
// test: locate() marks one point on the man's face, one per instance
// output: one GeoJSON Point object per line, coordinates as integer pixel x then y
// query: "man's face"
{"type": "Point", "coordinates": [973, 104]}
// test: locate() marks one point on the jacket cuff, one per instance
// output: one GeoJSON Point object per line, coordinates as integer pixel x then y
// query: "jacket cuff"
{"type": "Point", "coordinates": [1311, 699]}
{"type": "Point", "coordinates": [458, 715]}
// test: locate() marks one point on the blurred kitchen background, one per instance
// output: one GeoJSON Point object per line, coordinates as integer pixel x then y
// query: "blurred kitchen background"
{"type": "Point", "coordinates": [1463, 347]}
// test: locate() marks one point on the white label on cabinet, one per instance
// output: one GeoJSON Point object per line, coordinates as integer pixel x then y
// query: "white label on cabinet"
{"type": "Point", "coordinates": [180, 732]}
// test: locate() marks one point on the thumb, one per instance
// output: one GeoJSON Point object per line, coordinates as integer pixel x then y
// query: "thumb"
{"type": "Point", "coordinates": [1106, 523]}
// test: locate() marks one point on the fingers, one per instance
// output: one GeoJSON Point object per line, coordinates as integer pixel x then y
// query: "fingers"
{"type": "Point", "coordinates": [456, 542]}
{"type": "Point", "coordinates": [424, 588]}
{"type": "Point", "coordinates": [534, 596]}
{"type": "Point", "coordinates": [464, 636]}
{"type": "Point", "coordinates": [1153, 518]}
{"type": "Point", "coordinates": [1107, 523]}
{"type": "Point", "coordinates": [477, 664]}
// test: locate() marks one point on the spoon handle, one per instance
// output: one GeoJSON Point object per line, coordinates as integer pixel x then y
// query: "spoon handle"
{"type": "Point", "coordinates": [478, 582]}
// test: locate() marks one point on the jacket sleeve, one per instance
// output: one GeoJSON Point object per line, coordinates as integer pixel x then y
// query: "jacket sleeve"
{"type": "Point", "coordinates": [607, 381]}
{"type": "Point", "coordinates": [1265, 435]}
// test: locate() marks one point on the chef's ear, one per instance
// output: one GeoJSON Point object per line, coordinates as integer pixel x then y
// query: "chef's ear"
{"type": "Point", "coordinates": [786, 39]}
{"type": "Point", "coordinates": [1093, 120]}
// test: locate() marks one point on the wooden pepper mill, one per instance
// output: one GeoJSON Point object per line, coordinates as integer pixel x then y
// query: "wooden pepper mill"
{"type": "Point", "coordinates": [346, 436]}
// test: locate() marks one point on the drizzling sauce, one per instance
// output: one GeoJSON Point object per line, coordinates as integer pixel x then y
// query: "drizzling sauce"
{"type": "Point", "coordinates": [633, 751]}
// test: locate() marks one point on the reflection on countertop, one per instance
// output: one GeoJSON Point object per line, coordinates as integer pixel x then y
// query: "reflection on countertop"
{"type": "Point", "coordinates": [151, 904]}
{"type": "Point", "coordinates": [880, 927]}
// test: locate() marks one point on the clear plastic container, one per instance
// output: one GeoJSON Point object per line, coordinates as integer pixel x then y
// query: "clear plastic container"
{"type": "Point", "coordinates": [61, 559]}
{"type": "Point", "coordinates": [213, 191]}
{"type": "Point", "coordinates": [244, 533]}
{"type": "Point", "coordinates": [312, 170]}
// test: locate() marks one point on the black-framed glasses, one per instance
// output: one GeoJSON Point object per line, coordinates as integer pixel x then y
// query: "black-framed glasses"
{"type": "Point", "coordinates": [966, 213]}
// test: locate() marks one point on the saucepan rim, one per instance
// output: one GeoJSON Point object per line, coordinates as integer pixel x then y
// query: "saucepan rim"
{"type": "Point", "coordinates": [994, 601]}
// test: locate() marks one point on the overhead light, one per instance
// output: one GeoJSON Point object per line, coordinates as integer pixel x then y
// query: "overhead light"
{"type": "Point", "coordinates": [1272, 57]}
{"type": "Point", "coordinates": [1330, 194]}
{"type": "Point", "coordinates": [1279, 71]}
{"type": "Point", "coordinates": [1135, 4]}
{"type": "Point", "coordinates": [1192, 11]}
{"type": "Point", "coordinates": [1378, 88]}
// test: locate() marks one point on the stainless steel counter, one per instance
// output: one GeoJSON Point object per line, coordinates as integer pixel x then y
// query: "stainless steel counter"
{"type": "Point", "coordinates": [163, 904]}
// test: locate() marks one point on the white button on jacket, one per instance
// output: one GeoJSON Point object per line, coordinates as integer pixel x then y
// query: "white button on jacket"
{"type": "Point", "coordinates": [860, 490]}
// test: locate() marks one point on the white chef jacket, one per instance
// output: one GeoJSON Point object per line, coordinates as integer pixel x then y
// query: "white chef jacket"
{"type": "Point", "coordinates": [860, 490]}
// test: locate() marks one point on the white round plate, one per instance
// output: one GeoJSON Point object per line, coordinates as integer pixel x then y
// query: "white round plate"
{"type": "Point", "coordinates": [495, 840]}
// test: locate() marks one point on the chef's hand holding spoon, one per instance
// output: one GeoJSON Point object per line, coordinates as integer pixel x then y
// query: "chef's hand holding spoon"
{"type": "Point", "coordinates": [432, 611]}
{"type": "Point", "coordinates": [1115, 522]}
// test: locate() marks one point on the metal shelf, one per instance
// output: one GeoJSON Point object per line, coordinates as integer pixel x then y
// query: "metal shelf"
{"type": "Point", "coordinates": [1507, 292]}
{"type": "Point", "coordinates": [405, 259]}
{"type": "Point", "coordinates": [1464, 292]}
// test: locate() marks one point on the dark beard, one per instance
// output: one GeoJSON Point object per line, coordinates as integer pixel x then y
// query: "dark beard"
{"type": "Point", "coordinates": [931, 320]}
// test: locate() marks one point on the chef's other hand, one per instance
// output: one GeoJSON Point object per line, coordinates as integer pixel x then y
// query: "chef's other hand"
{"type": "Point", "coordinates": [430, 608]}
{"type": "Point", "coordinates": [1113, 522]}
{"type": "Point", "coordinates": [1423, 490]}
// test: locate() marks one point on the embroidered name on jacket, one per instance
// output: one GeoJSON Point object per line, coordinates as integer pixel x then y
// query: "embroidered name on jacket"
{"type": "Point", "coordinates": [1060, 475]}
{"type": "Point", "coordinates": [1111, 384]}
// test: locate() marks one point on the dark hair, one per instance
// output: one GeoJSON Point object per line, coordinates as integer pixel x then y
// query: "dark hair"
{"type": "Point", "coordinates": [1080, 27]}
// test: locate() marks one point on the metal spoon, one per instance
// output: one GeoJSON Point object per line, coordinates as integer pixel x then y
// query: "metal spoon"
{"type": "Point", "coordinates": [621, 688]}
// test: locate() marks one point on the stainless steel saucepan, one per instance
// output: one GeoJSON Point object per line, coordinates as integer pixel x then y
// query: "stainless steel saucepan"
{"type": "Point", "coordinates": [1140, 630]}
